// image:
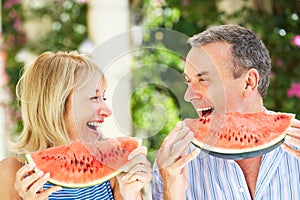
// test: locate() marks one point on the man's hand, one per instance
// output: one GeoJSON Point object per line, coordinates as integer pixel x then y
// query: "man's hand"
{"type": "Point", "coordinates": [293, 138]}
{"type": "Point", "coordinates": [172, 160]}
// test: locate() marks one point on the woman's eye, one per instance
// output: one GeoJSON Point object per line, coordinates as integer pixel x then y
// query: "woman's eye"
{"type": "Point", "coordinates": [95, 98]}
{"type": "Point", "coordinates": [104, 99]}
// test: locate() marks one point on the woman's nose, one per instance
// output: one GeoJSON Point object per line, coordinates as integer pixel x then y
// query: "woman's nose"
{"type": "Point", "coordinates": [104, 110]}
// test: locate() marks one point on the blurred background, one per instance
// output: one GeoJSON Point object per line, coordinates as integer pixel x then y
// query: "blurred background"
{"type": "Point", "coordinates": [152, 96]}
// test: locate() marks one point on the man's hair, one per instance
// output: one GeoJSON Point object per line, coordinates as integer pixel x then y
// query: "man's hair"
{"type": "Point", "coordinates": [247, 51]}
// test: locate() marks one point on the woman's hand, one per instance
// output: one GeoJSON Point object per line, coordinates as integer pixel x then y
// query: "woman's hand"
{"type": "Point", "coordinates": [293, 138]}
{"type": "Point", "coordinates": [137, 173]}
{"type": "Point", "coordinates": [31, 186]}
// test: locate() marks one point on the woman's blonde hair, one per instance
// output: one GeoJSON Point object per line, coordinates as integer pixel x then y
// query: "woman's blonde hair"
{"type": "Point", "coordinates": [43, 91]}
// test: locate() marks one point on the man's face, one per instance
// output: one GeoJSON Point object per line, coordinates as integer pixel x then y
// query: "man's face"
{"type": "Point", "coordinates": [211, 85]}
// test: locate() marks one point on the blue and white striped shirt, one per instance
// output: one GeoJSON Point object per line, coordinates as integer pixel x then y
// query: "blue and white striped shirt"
{"type": "Point", "coordinates": [212, 178]}
{"type": "Point", "coordinates": [102, 191]}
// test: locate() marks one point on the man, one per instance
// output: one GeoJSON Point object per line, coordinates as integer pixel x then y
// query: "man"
{"type": "Point", "coordinates": [227, 70]}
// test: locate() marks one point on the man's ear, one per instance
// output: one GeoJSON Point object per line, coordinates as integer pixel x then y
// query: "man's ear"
{"type": "Point", "coordinates": [251, 82]}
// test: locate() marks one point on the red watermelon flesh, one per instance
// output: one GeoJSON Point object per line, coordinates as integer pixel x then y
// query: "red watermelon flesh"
{"type": "Point", "coordinates": [237, 133]}
{"type": "Point", "coordinates": [84, 164]}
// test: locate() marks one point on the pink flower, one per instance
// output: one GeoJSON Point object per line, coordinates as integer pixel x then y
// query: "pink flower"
{"type": "Point", "coordinates": [186, 2]}
{"type": "Point", "coordinates": [294, 90]}
{"type": "Point", "coordinates": [279, 63]}
{"type": "Point", "coordinates": [82, 1]}
{"type": "Point", "coordinates": [296, 40]}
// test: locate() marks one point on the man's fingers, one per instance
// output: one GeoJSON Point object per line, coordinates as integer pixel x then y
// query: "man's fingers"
{"type": "Point", "coordinates": [295, 123]}
{"type": "Point", "coordinates": [290, 150]}
{"type": "Point", "coordinates": [178, 148]}
{"type": "Point", "coordinates": [182, 162]}
{"type": "Point", "coordinates": [295, 141]}
{"type": "Point", "coordinates": [179, 129]}
{"type": "Point", "coordinates": [293, 131]}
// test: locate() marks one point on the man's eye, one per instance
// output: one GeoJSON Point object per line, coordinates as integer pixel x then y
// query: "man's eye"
{"type": "Point", "coordinates": [187, 81]}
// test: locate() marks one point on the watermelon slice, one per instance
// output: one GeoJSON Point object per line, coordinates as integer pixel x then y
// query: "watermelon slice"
{"type": "Point", "coordinates": [239, 136]}
{"type": "Point", "coordinates": [84, 164]}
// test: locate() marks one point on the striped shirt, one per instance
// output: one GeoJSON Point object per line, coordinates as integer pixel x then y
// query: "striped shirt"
{"type": "Point", "coordinates": [102, 191]}
{"type": "Point", "coordinates": [212, 178]}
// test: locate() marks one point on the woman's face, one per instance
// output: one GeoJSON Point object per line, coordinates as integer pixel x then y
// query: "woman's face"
{"type": "Point", "coordinates": [86, 110]}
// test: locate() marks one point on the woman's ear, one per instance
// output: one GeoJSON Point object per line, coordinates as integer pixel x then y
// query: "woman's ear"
{"type": "Point", "coordinates": [251, 82]}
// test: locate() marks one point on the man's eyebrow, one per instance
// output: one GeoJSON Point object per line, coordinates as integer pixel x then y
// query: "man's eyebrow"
{"type": "Point", "coordinates": [202, 73]}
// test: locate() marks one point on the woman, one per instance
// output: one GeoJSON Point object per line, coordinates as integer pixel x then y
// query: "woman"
{"type": "Point", "coordinates": [60, 94]}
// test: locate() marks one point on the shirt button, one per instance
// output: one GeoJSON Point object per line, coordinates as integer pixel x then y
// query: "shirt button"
{"type": "Point", "coordinates": [241, 189]}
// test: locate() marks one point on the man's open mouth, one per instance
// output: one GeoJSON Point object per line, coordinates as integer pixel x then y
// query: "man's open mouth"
{"type": "Point", "coordinates": [205, 111]}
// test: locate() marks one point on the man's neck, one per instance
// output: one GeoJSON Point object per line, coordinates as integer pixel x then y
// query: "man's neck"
{"type": "Point", "coordinates": [250, 168]}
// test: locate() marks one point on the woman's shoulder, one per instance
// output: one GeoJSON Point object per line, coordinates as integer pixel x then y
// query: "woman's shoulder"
{"type": "Point", "coordinates": [9, 166]}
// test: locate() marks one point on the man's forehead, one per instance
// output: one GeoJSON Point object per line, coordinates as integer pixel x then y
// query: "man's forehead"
{"type": "Point", "coordinates": [209, 58]}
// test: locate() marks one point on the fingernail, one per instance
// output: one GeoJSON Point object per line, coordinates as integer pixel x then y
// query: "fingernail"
{"type": "Point", "coordinates": [191, 133]}
{"type": "Point", "coordinates": [47, 175]}
{"type": "Point", "coordinates": [59, 188]}
{"type": "Point", "coordinates": [31, 165]}
{"type": "Point", "coordinates": [130, 156]}
{"type": "Point", "coordinates": [40, 173]}
{"type": "Point", "coordinates": [179, 124]}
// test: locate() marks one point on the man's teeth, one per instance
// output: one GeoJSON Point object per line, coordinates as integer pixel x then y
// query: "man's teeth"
{"type": "Point", "coordinates": [97, 124]}
{"type": "Point", "coordinates": [204, 109]}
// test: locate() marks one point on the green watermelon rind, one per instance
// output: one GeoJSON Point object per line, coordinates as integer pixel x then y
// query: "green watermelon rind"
{"type": "Point", "coordinates": [240, 156]}
{"type": "Point", "coordinates": [217, 150]}
{"type": "Point", "coordinates": [92, 183]}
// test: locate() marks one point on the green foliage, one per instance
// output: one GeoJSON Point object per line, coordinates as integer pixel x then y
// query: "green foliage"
{"type": "Point", "coordinates": [276, 26]}
{"type": "Point", "coordinates": [66, 23]}
{"type": "Point", "coordinates": [62, 26]}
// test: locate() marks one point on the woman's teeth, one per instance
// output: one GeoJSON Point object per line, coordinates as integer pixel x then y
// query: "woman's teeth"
{"type": "Point", "coordinates": [96, 124]}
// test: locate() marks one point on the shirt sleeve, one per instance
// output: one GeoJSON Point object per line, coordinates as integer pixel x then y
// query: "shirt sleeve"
{"type": "Point", "coordinates": [157, 185]}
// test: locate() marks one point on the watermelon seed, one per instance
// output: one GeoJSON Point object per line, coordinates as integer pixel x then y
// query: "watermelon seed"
{"type": "Point", "coordinates": [81, 163]}
{"type": "Point", "coordinates": [236, 139]}
{"type": "Point", "coordinates": [256, 140]}
{"type": "Point", "coordinates": [229, 138]}
{"type": "Point", "coordinates": [241, 139]}
{"type": "Point", "coordinates": [245, 136]}
{"type": "Point", "coordinates": [84, 170]}
{"type": "Point", "coordinates": [123, 150]}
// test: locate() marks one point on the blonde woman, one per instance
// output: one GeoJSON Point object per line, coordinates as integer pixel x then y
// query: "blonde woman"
{"type": "Point", "coordinates": [60, 93]}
